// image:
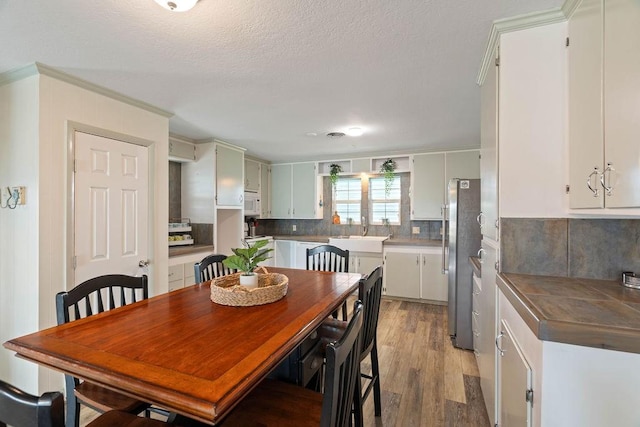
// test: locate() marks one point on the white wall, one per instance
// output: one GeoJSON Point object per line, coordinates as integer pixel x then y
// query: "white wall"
{"type": "Point", "coordinates": [532, 145]}
{"type": "Point", "coordinates": [43, 241]}
{"type": "Point", "coordinates": [19, 268]}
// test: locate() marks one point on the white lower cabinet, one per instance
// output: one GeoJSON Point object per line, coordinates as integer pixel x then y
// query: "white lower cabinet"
{"type": "Point", "coordinates": [181, 273]}
{"type": "Point", "coordinates": [285, 253]}
{"type": "Point", "coordinates": [516, 393]}
{"type": "Point", "coordinates": [570, 385]}
{"type": "Point", "coordinates": [415, 272]}
{"type": "Point", "coordinates": [363, 263]}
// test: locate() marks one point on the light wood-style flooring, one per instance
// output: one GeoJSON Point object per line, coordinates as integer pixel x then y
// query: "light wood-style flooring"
{"type": "Point", "coordinates": [425, 380]}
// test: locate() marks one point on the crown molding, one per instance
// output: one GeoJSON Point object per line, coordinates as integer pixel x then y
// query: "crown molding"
{"type": "Point", "coordinates": [569, 7]}
{"type": "Point", "coordinates": [516, 23]}
{"type": "Point", "coordinates": [41, 69]}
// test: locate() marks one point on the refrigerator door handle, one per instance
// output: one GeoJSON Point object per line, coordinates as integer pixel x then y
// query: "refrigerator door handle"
{"type": "Point", "coordinates": [444, 260]}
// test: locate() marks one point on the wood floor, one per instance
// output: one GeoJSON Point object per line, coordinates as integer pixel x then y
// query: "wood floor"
{"type": "Point", "coordinates": [425, 380]}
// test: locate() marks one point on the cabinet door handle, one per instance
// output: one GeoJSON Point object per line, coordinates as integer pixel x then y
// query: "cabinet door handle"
{"type": "Point", "coordinates": [593, 189]}
{"type": "Point", "coordinates": [241, 198]}
{"type": "Point", "coordinates": [480, 252]}
{"type": "Point", "coordinates": [607, 189]}
{"type": "Point", "coordinates": [443, 209]}
{"type": "Point", "coordinates": [480, 219]}
{"type": "Point", "coordinates": [501, 351]}
{"type": "Point", "coordinates": [475, 313]}
{"type": "Point", "coordinates": [418, 260]}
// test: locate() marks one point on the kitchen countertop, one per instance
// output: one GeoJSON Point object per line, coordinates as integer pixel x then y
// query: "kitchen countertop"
{"type": "Point", "coordinates": [187, 250]}
{"type": "Point", "coordinates": [389, 242]}
{"type": "Point", "coordinates": [588, 312]}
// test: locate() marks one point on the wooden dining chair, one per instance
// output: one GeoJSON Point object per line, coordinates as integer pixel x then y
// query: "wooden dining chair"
{"type": "Point", "coordinates": [21, 409]}
{"type": "Point", "coordinates": [91, 297]}
{"type": "Point", "coordinates": [370, 293]}
{"type": "Point", "coordinates": [211, 267]}
{"type": "Point", "coordinates": [275, 403]}
{"type": "Point", "coordinates": [329, 258]}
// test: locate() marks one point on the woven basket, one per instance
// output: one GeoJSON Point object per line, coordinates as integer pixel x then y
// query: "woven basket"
{"type": "Point", "coordinates": [226, 290]}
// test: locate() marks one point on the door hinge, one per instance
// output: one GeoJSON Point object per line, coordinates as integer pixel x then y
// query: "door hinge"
{"type": "Point", "coordinates": [567, 42]}
{"type": "Point", "coordinates": [498, 61]}
{"type": "Point", "coordinates": [529, 396]}
{"type": "Point", "coordinates": [567, 189]}
{"type": "Point", "coordinates": [75, 165]}
{"type": "Point", "coordinates": [75, 262]}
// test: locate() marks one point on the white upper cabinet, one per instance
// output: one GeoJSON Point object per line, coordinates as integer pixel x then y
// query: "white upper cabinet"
{"type": "Point", "coordinates": [251, 175]}
{"type": "Point", "coordinates": [489, 152]}
{"type": "Point", "coordinates": [430, 175]}
{"type": "Point", "coordinates": [427, 186]}
{"type": "Point", "coordinates": [181, 151]}
{"type": "Point", "coordinates": [265, 191]}
{"type": "Point", "coordinates": [280, 191]}
{"type": "Point", "coordinates": [296, 191]}
{"type": "Point", "coordinates": [604, 118]}
{"type": "Point", "coordinates": [229, 176]}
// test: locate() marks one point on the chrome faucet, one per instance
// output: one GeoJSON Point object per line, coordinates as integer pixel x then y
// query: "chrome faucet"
{"type": "Point", "coordinates": [365, 229]}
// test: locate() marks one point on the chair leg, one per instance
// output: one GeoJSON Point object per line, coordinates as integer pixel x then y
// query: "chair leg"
{"type": "Point", "coordinates": [375, 371]}
{"type": "Point", "coordinates": [344, 311]}
{"type": "Point", "coordinates": [358, 402]}
{"type": "Point", "coordinates": [73, 406]}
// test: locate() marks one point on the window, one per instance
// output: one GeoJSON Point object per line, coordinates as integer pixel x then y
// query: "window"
{"type": "Point", "coordinates": [347, 199]}
{"type": "Point", "coordinates": [382, 205]}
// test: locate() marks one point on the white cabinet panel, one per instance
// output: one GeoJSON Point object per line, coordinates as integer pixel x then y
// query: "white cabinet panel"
{"type": "Point", "coordinates": [515, 382]}
{"type": "Point", "coordinates": [251, 175]}
{"type": "Point", "coordinates": [427, 186]}
{"type": "Point", "coordinates": [285, 253]}
{"type": "Point", "coordinates": [462, 164]}
{"type": "Point", "coordinates": [433, 284]}
{"type": "Point", "coordinates": [229, 176]}
{"type": "Point", "coordinates": [180, 151]}
{"type": "Point", "coordinates": [304, 189]}
{"type": "Point", "coordinates": [280, 191]}
{"type": "Point", "coordinates": [402, 274]}
{"type": "Point", "coordinates": [489, 153]}
{"type": "Point", "coordinates": [265, 191]}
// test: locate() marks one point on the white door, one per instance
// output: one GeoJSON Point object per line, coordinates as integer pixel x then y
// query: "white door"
{"type": "Point", "coordinates": [111, 206]}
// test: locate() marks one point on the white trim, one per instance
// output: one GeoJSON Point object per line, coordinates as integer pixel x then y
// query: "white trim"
{"type": "Point", "coordinates": [516, 23]}
{"type": "Point", "coordinates": [38, 68]}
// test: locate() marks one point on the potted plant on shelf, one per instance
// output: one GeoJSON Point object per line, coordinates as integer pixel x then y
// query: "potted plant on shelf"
{"type": "Point", "coordinates": [246, 260]}
{"type": "Point", "coordinates": [334, 170]}
{"type": "Point", "coordinates": [387, 170]}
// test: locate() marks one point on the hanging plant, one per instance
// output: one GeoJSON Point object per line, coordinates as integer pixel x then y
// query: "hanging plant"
{"type": "Point", "coordinates": [334, 170]}
{"type": "Point", "coordinates": [387, 170]}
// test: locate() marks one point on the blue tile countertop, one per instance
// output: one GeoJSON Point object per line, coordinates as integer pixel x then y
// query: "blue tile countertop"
{"type": "Point", "coordinates": [389, 242]}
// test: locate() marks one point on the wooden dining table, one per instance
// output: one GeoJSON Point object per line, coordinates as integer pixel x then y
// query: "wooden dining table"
{"type": "Point", "coordinates": [185, 353]}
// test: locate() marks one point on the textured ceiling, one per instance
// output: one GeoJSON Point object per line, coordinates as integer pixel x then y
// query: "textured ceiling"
{"type": "Point", "coordinates": [264, 73]}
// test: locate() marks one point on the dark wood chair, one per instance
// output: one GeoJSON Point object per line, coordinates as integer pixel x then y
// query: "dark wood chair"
{"type": "Point", "coordinates": [211, 267]}
{"type": "Point", "coordinates": [329, 258]}
{"type": "Point", "coordinates": [274, 403]}
{"type": "Point", "coordinates": [91, 297]}
{"type": "Point", "coordinates": [370, 293]}
{"type": "Point", "coordinates": [21, 409]}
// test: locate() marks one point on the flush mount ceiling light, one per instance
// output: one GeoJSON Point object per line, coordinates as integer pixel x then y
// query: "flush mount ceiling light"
{"type": "Point", "coordinates": [354, 132]}
{"type": "Point", "coordinates": [177, 5]}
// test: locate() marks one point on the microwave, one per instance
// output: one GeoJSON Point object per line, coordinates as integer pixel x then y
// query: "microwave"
{"type": "Point", "coordinates": [251, 204]}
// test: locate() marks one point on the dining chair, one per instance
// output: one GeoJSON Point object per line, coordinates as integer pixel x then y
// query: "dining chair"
{"type": "Point", "coordinates": [211, 267]}
{"type": "Point", "coordinates": [329, 258]}
{"type": "Point", "coordinates": [275, 403]}
{"type": "Point", "coordinates": [21, 409]}
{"type": "Point", "coordinates": [370, 293]}
{"type": "Point", "coordinates": [91, 297]}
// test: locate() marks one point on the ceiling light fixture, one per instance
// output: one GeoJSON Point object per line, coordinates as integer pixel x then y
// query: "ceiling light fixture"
{"type": "Point", "coordinates": [177, 5]}
{"type": "Point", "coordinates": [354, 132]}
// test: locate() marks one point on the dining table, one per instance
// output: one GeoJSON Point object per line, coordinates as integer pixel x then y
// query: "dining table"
{"type": "Point", "coordinates": [183, 352]}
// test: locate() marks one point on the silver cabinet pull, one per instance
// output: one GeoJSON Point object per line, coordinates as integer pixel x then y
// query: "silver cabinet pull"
{"type": "Point", "coordinates": [501, 351]}
{"type": "Point", "coordinates": [593, 189]}
{"type": "Point", "coordinates": [480, 252]}
{"type": "Point", "coordinates": [241, 198]}
{"type": "Point", "coordinates": [480, 219]}
{"type": "Point", "coordinates": [607, 189]}
{"type": "Point", "coordinates": [475, 313]}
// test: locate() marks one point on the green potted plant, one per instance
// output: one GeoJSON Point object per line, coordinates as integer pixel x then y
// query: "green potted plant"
{"type": "Point", "coordinates": [334, 170]}
{"type": "Point", "coordinates": [246, 260]}
{"type": "Point", "coordinates": [387, 170]}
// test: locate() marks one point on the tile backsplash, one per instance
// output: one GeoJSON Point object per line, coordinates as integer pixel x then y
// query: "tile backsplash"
{"type": "Point", "coordinates": [325, 227]}
{"type": "Point", "coordinates": [588, 248]}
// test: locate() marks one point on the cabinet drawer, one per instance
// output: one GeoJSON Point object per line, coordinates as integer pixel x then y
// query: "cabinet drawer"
{"type": "Point", "coordinates": [309, 342]}
{"type": "Point", "coordinates": [175, 272]}
{"type": "Point", "coordinates": [175, 284]}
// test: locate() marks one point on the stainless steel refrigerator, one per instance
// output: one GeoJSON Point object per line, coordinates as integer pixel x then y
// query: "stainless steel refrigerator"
{"type": "Point", "coordinates": [464, 241]}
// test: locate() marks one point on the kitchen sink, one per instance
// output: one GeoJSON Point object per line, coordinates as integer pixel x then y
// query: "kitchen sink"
{"type": "Point", "coordinates": [359, 243]}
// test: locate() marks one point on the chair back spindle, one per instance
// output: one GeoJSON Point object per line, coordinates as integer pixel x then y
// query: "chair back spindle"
{"type": "Point", "coordinates": [211, 267]}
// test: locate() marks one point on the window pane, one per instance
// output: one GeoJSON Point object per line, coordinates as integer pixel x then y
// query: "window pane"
{"type": "Point", "coordinates": [383, 205]}
{"type": "Point", "coordinates": [347, 199]}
